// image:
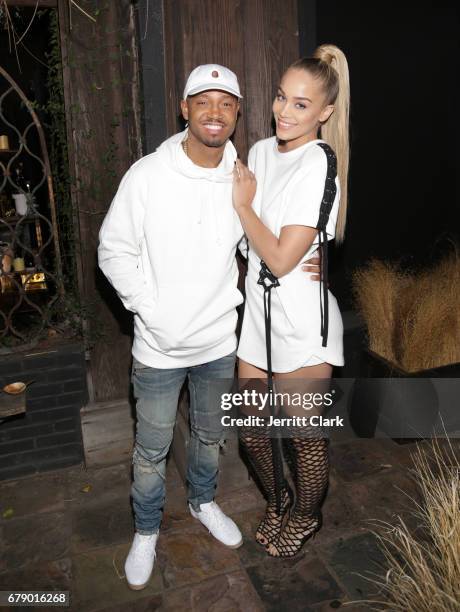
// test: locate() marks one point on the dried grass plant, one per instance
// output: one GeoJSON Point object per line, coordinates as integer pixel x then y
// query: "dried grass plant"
{"type": "Point", "coordinates": [424, 570]}
{"type": "Point", "coordinates": [413, 320]}
{"type": "Point", "coordinates": [430, 334]}
{"type": "Point", "coordinates": [375, 290]}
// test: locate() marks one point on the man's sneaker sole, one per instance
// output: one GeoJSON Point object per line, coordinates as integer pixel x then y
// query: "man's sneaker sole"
{"type": "Point", "coordinates": [231, 545]}
{"type": "Point", "coordinates": [138, 587]}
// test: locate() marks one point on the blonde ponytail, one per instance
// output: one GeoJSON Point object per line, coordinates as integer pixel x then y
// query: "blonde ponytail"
{"type": "Point", "coordinates": [336, 130]}
{"type": "Point", "coordinates": [330, 65]}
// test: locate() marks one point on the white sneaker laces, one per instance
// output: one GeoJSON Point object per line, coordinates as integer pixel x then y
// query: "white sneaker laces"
{"type": "Point", "coordinates": [216, 516]}
{"type": "Point", "coordinates": [143, 549]}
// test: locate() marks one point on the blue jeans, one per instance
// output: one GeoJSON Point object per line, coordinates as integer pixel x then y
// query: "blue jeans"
{"type": "Point", "coordinates": [157, 393]}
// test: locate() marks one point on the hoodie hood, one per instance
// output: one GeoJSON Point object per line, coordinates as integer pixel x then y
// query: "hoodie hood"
{"type": "Point", "coordinates": [173, 155]}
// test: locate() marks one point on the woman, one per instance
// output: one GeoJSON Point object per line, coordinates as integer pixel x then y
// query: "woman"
{"type": "Point", "coordinates": [291, 206]}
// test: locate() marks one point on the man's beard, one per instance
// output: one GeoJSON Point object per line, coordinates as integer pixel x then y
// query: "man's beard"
{"type": "Point", "coordinates": [213, 142]}
{"type": "Point", "coordinates": [209, 141]}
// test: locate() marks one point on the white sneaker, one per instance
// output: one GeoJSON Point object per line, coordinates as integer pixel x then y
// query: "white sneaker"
{"type": "Point", "coordinates": [219, 525]}
{"type": "Point", "coordinates": [139, 562]}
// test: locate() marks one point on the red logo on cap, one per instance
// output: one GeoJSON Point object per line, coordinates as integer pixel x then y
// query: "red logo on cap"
{"type": "Point", "coordinates": [215, 74]}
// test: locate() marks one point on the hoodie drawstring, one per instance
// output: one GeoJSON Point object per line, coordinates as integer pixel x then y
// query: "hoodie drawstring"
{"type": "Point", "coordinates": [216, 216]}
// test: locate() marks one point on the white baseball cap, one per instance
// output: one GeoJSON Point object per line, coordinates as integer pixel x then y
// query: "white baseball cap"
{"type": "Point", "coordinates": [211, 76]}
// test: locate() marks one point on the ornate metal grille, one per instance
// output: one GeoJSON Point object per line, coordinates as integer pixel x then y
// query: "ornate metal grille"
{"type": "Point", "coordinates": [30, 263]}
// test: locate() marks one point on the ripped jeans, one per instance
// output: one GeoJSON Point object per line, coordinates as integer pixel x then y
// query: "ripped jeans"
{"type": "Point", "coordinates": [157, 393]}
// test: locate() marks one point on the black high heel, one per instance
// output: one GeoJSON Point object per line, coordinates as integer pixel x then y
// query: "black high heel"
{"type": "Point", "coordinates": [292, 538]}
{"type": "Point", "coordinates": [270, 526]}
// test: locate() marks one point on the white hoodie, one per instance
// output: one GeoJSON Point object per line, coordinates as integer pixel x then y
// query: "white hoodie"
{"type": "Point", "coordinates": [167, 245]}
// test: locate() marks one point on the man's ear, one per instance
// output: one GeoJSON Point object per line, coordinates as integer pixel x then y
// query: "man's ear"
{"type": "Point", "coordinates": [184, 109]}
{"type": "Point", "coordinates": [326, 113]}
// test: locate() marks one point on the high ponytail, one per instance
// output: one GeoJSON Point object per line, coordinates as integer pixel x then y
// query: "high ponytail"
{"type": "Point", "coordinates": [329, 64]}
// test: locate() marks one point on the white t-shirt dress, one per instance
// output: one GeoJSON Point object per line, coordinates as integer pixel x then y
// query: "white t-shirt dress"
{"type": "Point", "coordinates": [290, 188]}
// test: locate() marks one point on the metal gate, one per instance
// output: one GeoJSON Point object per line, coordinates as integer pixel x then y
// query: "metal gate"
{"type": "Point", "coordinates": [31, 283]}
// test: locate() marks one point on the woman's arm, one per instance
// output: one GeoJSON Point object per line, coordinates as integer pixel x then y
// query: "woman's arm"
{"type": "Point", "coordinates": [280, 254]}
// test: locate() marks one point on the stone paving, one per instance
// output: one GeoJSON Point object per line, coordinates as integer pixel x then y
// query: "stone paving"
{"type": "Point", "coordinates": [71, 530]}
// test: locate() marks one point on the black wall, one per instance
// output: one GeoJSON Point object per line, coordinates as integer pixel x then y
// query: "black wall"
{"type": "Point", "coordinates": [48, 436]}
{"type": "Point", "coordinates": [404, 67]}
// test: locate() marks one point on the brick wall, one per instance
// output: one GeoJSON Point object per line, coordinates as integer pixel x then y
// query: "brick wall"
{"type": "Point", "coordinates": [49, 435]}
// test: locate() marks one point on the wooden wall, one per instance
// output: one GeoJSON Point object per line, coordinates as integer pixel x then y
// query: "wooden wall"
{"type": "Point", "coordinates": [103, 122]}
{"type": "Point", "coordinates": [257, 39]}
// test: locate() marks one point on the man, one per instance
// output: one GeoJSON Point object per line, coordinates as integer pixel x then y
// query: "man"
{"type": "Point", "coordinates": [168, 246]}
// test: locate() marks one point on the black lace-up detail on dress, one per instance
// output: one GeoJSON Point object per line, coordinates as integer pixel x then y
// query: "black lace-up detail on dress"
{"type": "Point", "coordinates": [330, 191]}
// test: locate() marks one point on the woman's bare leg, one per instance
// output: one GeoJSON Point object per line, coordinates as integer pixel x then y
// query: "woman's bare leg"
{"type": "Point", "coordinates": [247, 370]}
{"type": "Point", "coordinates": [322, 370]}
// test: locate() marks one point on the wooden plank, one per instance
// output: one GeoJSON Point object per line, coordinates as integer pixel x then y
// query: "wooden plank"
{"type": "Point", "coordinates": [113, 454]}
{"type": "Point", "coordinates": [11, 405]}
{"type": "Point", "coordinates": [103, 118]}
{"type": "Point", "coordinates": [100, 407]}
{"type": "Point", "coordinates": [108, 432]}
